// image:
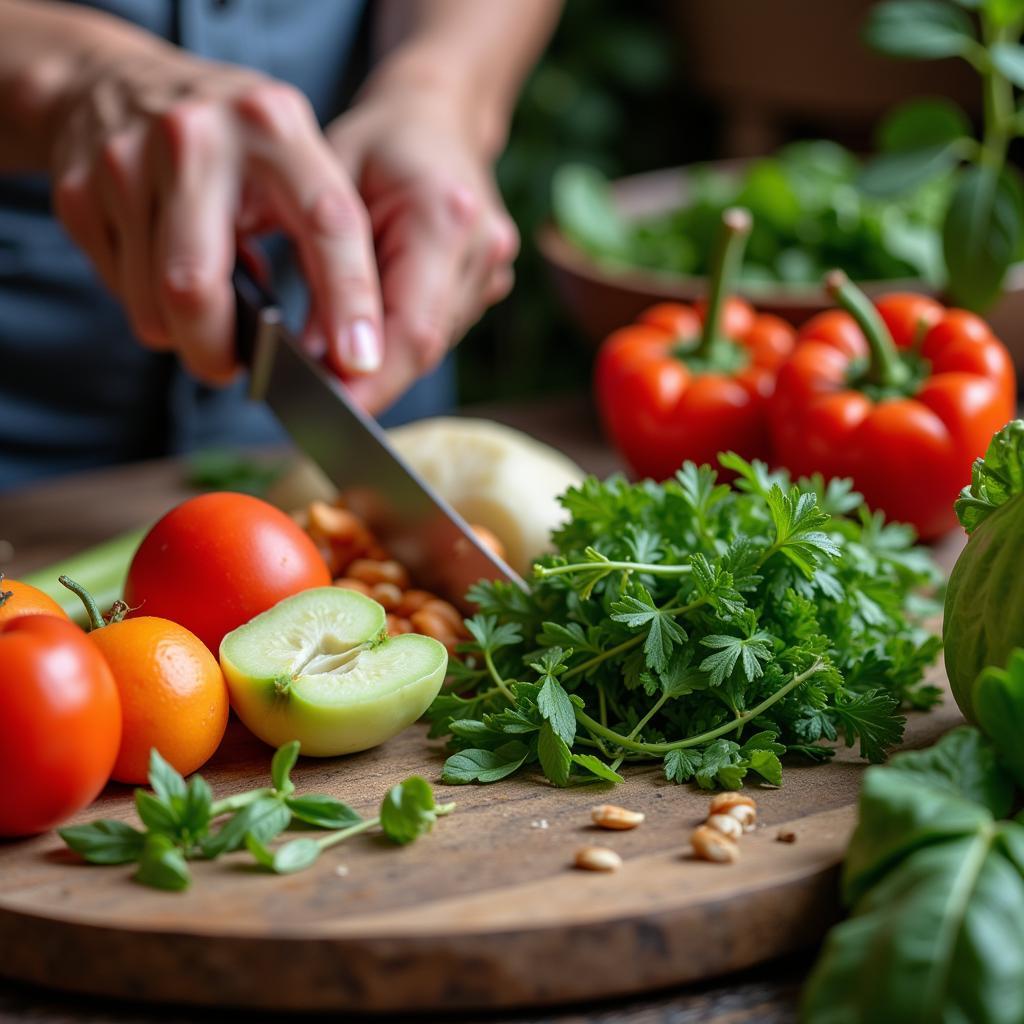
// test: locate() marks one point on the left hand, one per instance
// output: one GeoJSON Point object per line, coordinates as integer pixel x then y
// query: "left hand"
{"type": "Point", "coordinates": [444, 241]}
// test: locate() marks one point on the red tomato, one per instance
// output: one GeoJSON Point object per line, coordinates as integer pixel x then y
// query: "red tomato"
{"type": "Point", "coordinates": [218, 560]}
{"type": "Point", "coordinates": [60, 723]}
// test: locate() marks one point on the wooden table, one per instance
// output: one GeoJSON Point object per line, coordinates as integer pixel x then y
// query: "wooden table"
{"type": "Point", "coordinates": [32, 525]}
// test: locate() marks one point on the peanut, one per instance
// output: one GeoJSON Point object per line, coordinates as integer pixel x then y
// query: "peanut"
{"type": "Point", "coordinates": [743, 808]}
{"type": "Point", "coordinates": [371, 571]}
{"type": "Point", "coordinates": [431, 624]}
{"type": "Point", "coordinates": [610, 816]}
{"type": "Point", "coordinates": [413, 601]}
{"type": "Point", "coordinates": [489, 541]}
{"type": "Point", "coordinates": [386, 594]}
{"type": "Point", "coordinates": [785, 835]}
{"type": "Point", "coordinates": [337, 524]}
{"type": "Point", "coordinates": [597, 858]}
{"type": "Point", "coordinates": [398, 625]}
{"type": "Point", "coordinates": [347, 583]}
{"type": "Point", "coordinates": [709, 844]}
{"type": "Point", "coordinates": [726, 824]}
{"type": "Point", "coordinates": [448, 612]}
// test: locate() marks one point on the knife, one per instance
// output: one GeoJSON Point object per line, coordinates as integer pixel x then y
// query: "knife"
{"type": "Point", "coordinates": [409, 518]}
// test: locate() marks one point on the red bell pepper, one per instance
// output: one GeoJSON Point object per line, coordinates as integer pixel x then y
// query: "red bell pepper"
{"type": "Point", "coordinates": [901, 396]}
{"type": "Point", "coordinates": [689, 382]}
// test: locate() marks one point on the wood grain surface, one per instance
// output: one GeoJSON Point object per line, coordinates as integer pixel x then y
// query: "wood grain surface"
{"type": "Point", "coordinates": [483, 913]}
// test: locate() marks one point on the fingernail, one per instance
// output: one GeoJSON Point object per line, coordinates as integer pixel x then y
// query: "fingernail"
{"type": "Point", "coordinates": [359, 347]}
{"type": "Point", "coordinates": [314, 344]}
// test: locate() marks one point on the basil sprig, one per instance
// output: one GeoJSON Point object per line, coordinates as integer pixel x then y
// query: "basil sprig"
{"type": "Point", "coordinates": [183, 822]}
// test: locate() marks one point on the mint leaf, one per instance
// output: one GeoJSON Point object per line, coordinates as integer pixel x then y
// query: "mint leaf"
{"type": "Point", "coordinates": [162, 865]}
{"type": "Point", "coordinates": [105, 841]}
{"type": "Point", "coordinates": [408, 810]}
{"type": "Point", "coordinates": [296, 855]}
{"type": "Point", "coordinates": [165, 781]}
{"type": "Point", "coordinates": [157, 815]}
{"type": "Point", "coordinates": [196, 806]}
{"type": "Point", "coordinates": [322, 811]}
{"type": "Point", "coordinates": [281, 767]}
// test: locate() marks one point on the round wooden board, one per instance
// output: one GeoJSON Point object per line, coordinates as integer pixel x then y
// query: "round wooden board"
{"type": "Point", "coordinates": [486, 911]}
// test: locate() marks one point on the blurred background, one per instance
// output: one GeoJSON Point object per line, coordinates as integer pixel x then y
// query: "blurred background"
{"type": "Point", "coordinates": [630, 88]}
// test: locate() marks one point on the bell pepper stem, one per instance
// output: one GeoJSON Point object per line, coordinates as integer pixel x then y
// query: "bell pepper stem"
{"type": "Point", "coordinates": [725, 267]}
{"type": "Point", "coordinates": [91, 607]}
{"type": "Point", "coordinates": [886, 368]}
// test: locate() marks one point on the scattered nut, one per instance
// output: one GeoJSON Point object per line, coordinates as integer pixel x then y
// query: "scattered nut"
{"type": "Point", "coordinates": [413, 601]}
{"type": "Point", "coordinates": [386, 594]}
{"type": "Point", "coordinates": [726, 824]}
{"type": "Point", "coordinates": [372, 571]}
{"type": "Point", "coordinates": [710, 844]}
{"type": "Point", "coordinates": [489, 540]}
{"type": "Point", "coordinates": [738, 805]}
{"type": "Point", "coordinates": [785, 835]}
{"type": "Point", "coordinates": [597, 858]}
{"type": "Point", "coordinates": [432, 624]}
{"type": "Point", "coordinates": [397, 625]}
{"type": "Point", "coordinates": [610, 816]}
{"type": "Point", "coordinates": [334, 523]}
{"type": "Point", "coordinates": [347, 583]}
{"type": "Point", "coordinates": [446, 612]}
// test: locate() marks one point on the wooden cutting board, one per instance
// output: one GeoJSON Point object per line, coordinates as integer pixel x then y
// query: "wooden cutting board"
{"type": "Point", "coordinates": [484, 912]}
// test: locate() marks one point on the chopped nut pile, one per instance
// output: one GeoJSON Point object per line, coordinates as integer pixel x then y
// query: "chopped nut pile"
{"type": "Point", "coordinates": [359, 562]}
{"type": "Point", "coordinates": [729, 816]}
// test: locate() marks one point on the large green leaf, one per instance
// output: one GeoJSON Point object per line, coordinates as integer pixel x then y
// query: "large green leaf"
{"type": "Point", "coordinates": [921, 29]}
{"type": "Point", "coordinates": [981, 235]}
{"type": "Point", "coordinates": [939, 939]}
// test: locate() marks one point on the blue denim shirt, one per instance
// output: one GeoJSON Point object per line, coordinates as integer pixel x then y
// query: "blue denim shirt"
{"type": "Point", "coordinates": [76, 390]}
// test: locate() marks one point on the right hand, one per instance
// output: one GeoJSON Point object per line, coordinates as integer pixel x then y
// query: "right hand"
{"type": "Point", "coordinates": [162, 162]}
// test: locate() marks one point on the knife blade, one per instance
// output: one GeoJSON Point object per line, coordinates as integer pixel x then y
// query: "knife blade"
{"type": "Point", "coordinates": [418, 526]}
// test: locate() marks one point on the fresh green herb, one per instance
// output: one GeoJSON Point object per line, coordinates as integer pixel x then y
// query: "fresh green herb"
{"type": "Point", "coordinates": [934, 878]}
{"type": "Point", "coordinates": [224, 469]}
{"type": "Point", "coordinates": [930, 140]}
{"type": "Point", "coordinates": [710, 627]}
{"type": "Point", "coordinates": [180, 818]}
{"type": "Point", "coordinates": [810, 214]}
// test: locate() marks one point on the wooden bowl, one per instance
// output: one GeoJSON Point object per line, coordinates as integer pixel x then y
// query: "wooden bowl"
{"type": "Point", "coordinates": [601, 299]}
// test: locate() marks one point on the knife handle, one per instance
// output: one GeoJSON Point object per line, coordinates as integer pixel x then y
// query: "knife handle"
{"type": "Point", "coordinates": [257, 318]}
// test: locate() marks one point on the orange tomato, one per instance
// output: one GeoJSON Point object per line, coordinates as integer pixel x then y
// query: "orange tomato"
{"type": "Point", "coordinates": [173, 695]}
{"type": "Point", "coordinates": [18, 599]}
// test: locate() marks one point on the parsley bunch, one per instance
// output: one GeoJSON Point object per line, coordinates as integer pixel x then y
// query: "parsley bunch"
{"type": "Point", "coordinates": [713, 627]}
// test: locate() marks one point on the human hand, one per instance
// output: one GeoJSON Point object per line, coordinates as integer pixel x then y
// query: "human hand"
{"type": "Point", "coordinates": [162, 162]}
{"type": "Point", "coordinates": [444, 242]}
